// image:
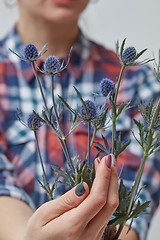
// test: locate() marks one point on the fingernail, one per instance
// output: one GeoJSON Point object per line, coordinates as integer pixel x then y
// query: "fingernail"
{"type": "Point", "coordinates": [80, 190]}
{"type": "Point", "coordinates": [113, 160]}
{"type": "Point", "coordinates": [98, 160]}
{"type": "Point", "coordinates": [108, 161]}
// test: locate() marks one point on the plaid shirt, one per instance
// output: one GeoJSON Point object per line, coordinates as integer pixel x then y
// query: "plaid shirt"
{"type": "Point", "coordinates": [19, 160]}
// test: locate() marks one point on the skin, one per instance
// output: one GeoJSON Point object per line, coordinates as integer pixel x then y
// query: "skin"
{"type": "Point", "coordinates": [49, 22]}
{"type": "Point", "coordinates": [56, 23]}
{"type": "Point", "coordinates": [69, 217]}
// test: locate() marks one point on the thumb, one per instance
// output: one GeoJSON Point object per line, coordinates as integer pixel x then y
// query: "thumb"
{"type": "Point", "coordinates": [71, 199]}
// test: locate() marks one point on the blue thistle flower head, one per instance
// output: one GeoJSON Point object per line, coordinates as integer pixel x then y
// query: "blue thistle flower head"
{"type": "Point", "coordinates": [156, 122]}
{"type": "Point", "coordinates": [128, 55]}
{"type": "Point", "coordinates": [150, 114]}
{"type": "Point", "coordinates": [106, 87]}
{"type": "Point", "coordinates": [30, 52]}
{"type": "Point", "coordinates": [52, 65]}
{"type": "Point", "coordinates": [88, 112]}
{"type": "Point", "coordinates": [33, 122]}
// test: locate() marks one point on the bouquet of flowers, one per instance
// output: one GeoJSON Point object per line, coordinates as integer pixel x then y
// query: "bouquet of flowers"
{"type": "Point", "coordinates": [96, 118]}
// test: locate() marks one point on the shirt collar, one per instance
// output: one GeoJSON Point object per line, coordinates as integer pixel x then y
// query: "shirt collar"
{"type": "Point", "coordinates": [80, 54]}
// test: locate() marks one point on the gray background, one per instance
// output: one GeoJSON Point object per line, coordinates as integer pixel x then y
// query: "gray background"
{"type": "Point", "coordinates": [107, 21]}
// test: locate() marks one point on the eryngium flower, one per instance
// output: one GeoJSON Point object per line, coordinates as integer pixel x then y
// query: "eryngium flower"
{"type": "Point", "coordinates": [88, 112]}
{"type": "Point", "coordinates": [106, 86]}
{"type": "Point", "coordinates": [129, 54]}
{"type": "Point", "coordinates": [148, 114]}
{"type": "Point", "coordinates": [30, 52]}
{"type": "Point", "coordinates": [100, 120]}
{"type": "Point", "coordinates": [33, 122]}
{"type": "Point", "coordinates": [52, 65]}
{"type": "Point", "coordinates": [156, 120]}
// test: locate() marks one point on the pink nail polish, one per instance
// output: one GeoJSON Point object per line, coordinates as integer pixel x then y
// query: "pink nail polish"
{"type": "Point", "coordinates": [113, 160]}
{"type": "Point", "coordinates": [108, 161]}
{"type": "Point", "coordinates": [98, 160]}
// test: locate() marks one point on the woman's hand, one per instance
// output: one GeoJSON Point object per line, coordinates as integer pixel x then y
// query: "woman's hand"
{"type": "Point", "coordinates": [78, 214]}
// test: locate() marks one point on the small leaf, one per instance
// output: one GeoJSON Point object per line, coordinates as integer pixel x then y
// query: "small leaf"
{"type": "Point", "coordinates": [139, 54]}
{"type": "Point", "coordinates": [123, 107]}
{"type": "Point", "coordinates": [82, 101]}
{"type": "Point", "coordinates": [15, 53]}
{"type": "Point", "coordinates": [101, 148]}
{"type": "Point", "coordinates": [122, 47]}
{"type": "Point", "coordinates": [63, 174]}
{"type": "Point", "coordinates": [139, 208]}
{"type": "Point", "coordinates": [50, 114]}
{"type": "Point", "coordinates": [122, 148]}
{"type": "Point", "coordinates": [66, 104]}
{"type": "Point", "coordinates": [45, 116]}
{"type": "Point", "coordinates": [118, 221]}
{"type": "Point", "coordinates": [39, 118]}
{"type": "Point", "coordinates": [139, 125]}
{"type": "Point", "coordinates": [106, 143]}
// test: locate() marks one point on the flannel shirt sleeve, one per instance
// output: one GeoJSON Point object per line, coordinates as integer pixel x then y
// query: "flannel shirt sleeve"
{"type": "Point", "coordinates": [147, 88]}
{"type": "Point", "coordinates": [8, 182]}
{"type": "Point", "coordinates": [9, 185]}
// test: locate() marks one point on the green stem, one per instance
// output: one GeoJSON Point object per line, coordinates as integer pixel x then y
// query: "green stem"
{"type": "Point", "coordinates": [39, 84]}
{"type": "Point", "coordinates": [137, 181]}
{"type": "Point", "coordinates": [140, 170]}
{"type": "Point", "coordinates": [146, 154]}
{"type": "Point", "coordinates": [89, 140]}
{"type": "Point", "coordinates": [55, 109]}
{"type": "Point", "coordinates": [68, 157]}
{"type": "Point", "coordinates": [134, 191]}
{"type": "Point", "coordinates": [113, 133]}
{"type": "Point", "coordinates": [114, 117]}
{"type": "Point", "coordinates": [50, 195]}
{"type": "Point", "coordinates": [41, 161]}
{"type": "Point", "coordinates": [92, 140]}
{"type": "Point", "coordinates": [62, 140]}
{"type": "Point", "coordinates": [118, 84]}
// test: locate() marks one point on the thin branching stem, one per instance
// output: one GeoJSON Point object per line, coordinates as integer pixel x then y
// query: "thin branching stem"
{"type": "Point", "coordinates": [92, 140]}
{"type": "Point", "coordinates": [114, 117]}
{"type": "Point", "coordinates": [140, 170]}
{"type": "Point", "coordinates": [68, 157]}
{"type": "Point", "coordinates": [63, 139]}
{"type": "Point", "coordinates": [89, 141]}
{"type": "Point", "coordinates": [113, 133]}
{"type": "Point", "coordinates": [39, 84]}
{"type": "Point", "coordinates": [55, 109]}
{"type": "Point", "coordinates": [41, 161]}
{"type": "Point", "coordinates": [46, 186]}
{"type": "Point", "coordinates": [119, 81]}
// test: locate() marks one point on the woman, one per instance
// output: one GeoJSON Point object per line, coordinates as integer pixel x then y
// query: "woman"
{"type": "Point", "coordinates": [76, 214]}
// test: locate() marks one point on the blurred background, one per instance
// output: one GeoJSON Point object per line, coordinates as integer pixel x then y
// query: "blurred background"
{"type": "Point", "coordinates": [107, 21]}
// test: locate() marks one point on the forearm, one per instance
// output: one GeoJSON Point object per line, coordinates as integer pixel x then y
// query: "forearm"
{"type": "Point", "coordinates": [14, 214]}
{"type": "Point", "coordinates": [131, 235]}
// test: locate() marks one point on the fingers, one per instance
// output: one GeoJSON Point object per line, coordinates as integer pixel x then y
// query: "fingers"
{"type": "Point", "coordinates": [96, 163]}
{"type": "Point", "coordinates": [102, 218]}
{"type": "Point", "coordinates": [100, 234]}
{"type": "Point", "coordinates": [96, 200]}
{"type": "Point", "coordinates": [87, 213]}
{"type": "Point", "coordinates": [66, 202]}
